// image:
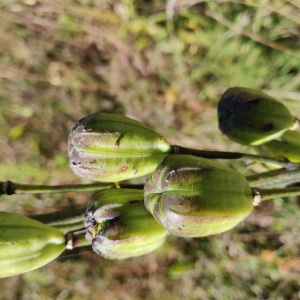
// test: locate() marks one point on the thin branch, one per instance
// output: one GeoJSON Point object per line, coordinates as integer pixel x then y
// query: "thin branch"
{"type": "Point", "coordinates": [76, 239]}
{"type": "Point", "coordinates": [267, 194]}
{"type": "Point", "coordinates": [294, 2]}
{"type": "Point", "coordinates": [275, 178]}
{"type": "Point", "coordinates": [284, 11]}
{"type": "Point", "coordinates": [233, 155]}
{"type": "Point", "coordinates": [66, 220]}
{"type": "Point", "coordinates": [11, 188]}
{"type": "Point", "coordinates": [258, 38]}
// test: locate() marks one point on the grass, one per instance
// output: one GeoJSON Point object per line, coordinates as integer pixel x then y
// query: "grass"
{"type": "Point", "coordinates": [63, 60]}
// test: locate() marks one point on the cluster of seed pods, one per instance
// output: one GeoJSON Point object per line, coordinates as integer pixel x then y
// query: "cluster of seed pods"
{"type": "Point", "coordinates": [185, 195]}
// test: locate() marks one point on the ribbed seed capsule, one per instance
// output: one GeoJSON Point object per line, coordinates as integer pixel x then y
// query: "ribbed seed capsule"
{"type": "Point", "coordinates": [26, 244]}
{"type": "Point", "coordinates": [120, 226]}
{"type": "Point", "coordinates": [195, 197]}
{"type": "Point", "coordinates": [250, 117]}
{"type": "Point", "coordinates": [287, 146]}
{"type": "Point", "coordinates": [109, 147]}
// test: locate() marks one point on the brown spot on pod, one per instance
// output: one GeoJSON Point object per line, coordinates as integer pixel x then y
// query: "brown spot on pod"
{"type": "Point", "coordinates": [268, 127]}
{"type": "Point", "coordinates": [124, 169]}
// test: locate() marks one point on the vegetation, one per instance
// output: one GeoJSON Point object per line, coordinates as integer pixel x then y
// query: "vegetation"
{"type": "Point", "coordinates": [63, 60]}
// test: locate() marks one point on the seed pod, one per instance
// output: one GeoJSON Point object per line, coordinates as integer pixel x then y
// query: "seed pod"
{"type": "Point", "coordinates": [288, 146]}
{"type": "Point", "coordinates": [250, 117]}
{"type": "Point", "coordinates": [120, 226]}
{"type": "Point", "coordinates": [109, 147]}
{"type": "Point", "coordinates": [195, 197]}
{"type": "Point", "coordinates": [26, 244]}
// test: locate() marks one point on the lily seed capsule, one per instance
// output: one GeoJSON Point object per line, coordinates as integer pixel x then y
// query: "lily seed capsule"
{"type": "Point", "coordinates": [287, 146]}
{"type": "Point", "coordinates": [109, 147]}
{"type": "Point", "coordinates": [119, 225]}
{"type": "Point", "coordinates": [196, 197]}
{"type": "Point", "coordinates": [250, 117]}
{"type": "Point", "coordinates": [26, 244]}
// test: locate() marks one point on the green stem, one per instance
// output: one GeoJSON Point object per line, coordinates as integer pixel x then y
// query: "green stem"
{"type": "Point", "coordinates": [65, 220]}
{"type": "Point", "coordinates": [283, 162]}
{"type": "Point", "coordinates": [11, 188]}
{"type": "Point", "coordinates": [267, 194]}
{"type": "Point", "coordinates": [77, 239]}
{"type": "Point", "coordinates": [275, 178]}
{"type": "Point", "coordinates": [80, 241]}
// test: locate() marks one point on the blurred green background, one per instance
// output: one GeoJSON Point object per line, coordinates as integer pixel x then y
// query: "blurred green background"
{"type": "Point", "coordinates": [63, 60]}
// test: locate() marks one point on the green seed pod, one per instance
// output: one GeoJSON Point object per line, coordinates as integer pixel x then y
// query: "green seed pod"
{"type": "Point", "coordinates": [108, 147]}
{"type": "Point", "coordinates": [250, 117]}
{"type": "Point", "coordinates": [120, 226]}
{"type": "Point", "coordinates": [26, 244]}
{"type": "Point", "coordinates": [288, 146]}
{"type": "Point", "coordinates": [196, 197]}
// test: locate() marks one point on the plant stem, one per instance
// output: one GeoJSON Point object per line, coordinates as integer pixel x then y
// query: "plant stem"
{"type": "Point", "coordinates": [10, 188]}
{"type": "Point", "coordinates": [267, 194]}
{"type": "Point", "coordinates": [283, 162]}
{"type": "Point", "coordinates": [66, 220]}
{"type": "Point", "coordinates": [77, 239]}
{"type": "Point", "coordinates": [275, 178]}
{"type": "Point", "coordinates": [80, 241]}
